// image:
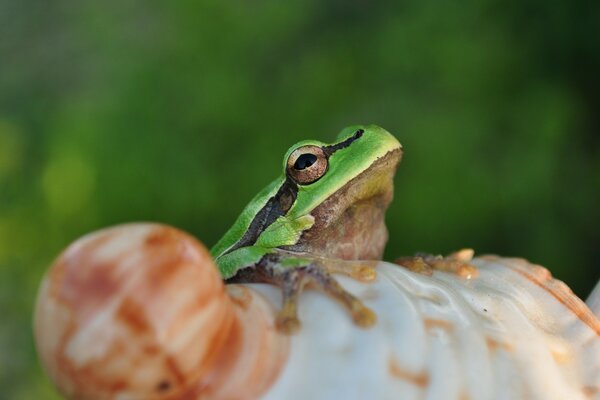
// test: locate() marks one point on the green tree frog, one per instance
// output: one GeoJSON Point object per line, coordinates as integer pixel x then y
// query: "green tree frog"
{"type": "Point", "coordinates": [328, 205]}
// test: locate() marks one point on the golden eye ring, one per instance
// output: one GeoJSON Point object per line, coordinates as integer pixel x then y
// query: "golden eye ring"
{"type": "Point", "coordinates": [307, 164]}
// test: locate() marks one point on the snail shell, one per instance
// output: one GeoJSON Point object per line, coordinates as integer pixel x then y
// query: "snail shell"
{"type": "Point", "coordinates": [139, 311]}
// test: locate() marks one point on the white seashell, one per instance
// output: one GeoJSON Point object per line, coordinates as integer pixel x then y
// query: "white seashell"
{"type": "Point", "coordinates": [512, 332]}
{"type": "Point", "coordinates": [593, 301]}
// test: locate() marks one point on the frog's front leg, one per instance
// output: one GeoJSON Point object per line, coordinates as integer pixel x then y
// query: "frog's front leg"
{"type": "Point", "coordinates": [293, 274]}
{"type": "Point", "coordinates": [458, 263]}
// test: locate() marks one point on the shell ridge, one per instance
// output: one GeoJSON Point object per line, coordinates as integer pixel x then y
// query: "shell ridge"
{"type": "Point", "coordinates": [593, 301]}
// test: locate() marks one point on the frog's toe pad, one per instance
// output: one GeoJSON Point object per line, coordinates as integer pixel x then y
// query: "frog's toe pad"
{"type": "Point", "coordinates": [287, 324]}
{"type": "Point", "coordinates": [365, 273]}
{"type": "Point", "coordinates": [364, 316]}
{"type": "Point", "coordinates": [415, 264]}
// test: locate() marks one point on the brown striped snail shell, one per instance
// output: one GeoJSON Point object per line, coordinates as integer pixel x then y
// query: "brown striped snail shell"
{"type": "Point", "coordinates": [139, 311]}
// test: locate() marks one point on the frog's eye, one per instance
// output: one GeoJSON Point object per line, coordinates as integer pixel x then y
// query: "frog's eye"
{"type": "Point", "coordinates": [307, 164]}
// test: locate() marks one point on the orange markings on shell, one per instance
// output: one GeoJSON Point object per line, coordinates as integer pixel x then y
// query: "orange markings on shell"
{"type": "Point", "coordinates": [431, 323]}
{"type": "Point", "coordinates": [494, 344]}
{"type": "Point", "coordinates": [542, 278]}
{"type": "Point", "coordinates": [418, 379]}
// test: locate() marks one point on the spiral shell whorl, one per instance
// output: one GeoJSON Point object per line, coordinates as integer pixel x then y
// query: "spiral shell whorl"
{"type": "Point", "coordinates": [140, 311]}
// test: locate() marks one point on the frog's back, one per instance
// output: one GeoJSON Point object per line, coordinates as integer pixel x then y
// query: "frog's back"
{"type": "Point", "coordinates": [242, 223]}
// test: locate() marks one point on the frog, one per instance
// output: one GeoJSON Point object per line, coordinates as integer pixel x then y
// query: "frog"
{"type": "Point", "coordinates": [324, 214]}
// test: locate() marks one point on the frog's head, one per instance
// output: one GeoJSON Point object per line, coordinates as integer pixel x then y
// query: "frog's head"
{"type": "Point", "coordinates": [346, 186]}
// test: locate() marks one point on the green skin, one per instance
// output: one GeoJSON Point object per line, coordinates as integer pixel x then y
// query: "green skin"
{"type": "Point", "coordinates": [350, 182]}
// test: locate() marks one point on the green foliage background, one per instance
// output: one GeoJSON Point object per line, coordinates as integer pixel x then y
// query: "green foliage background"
{"type": "Point", "coordinates": [181, 111]}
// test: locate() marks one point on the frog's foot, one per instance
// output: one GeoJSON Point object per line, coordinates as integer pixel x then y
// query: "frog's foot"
{"type": "Point", "coordinates": [292, 281]}
{"type": "Point", "coordinates": [458, 263]}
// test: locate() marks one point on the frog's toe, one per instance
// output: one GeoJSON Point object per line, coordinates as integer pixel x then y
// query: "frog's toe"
{"type": "Point", "coordinates": [415, 264]}
{"type": "Point", "coordinates": [361, 314]}
{"type": "Point", "coordinates": [287, 320]}
{"type": "Point", "coordinates": [458, 263]}
{"type": "Point", "coordinates": [363, 273]}
{"type": "Point", "coordinates": [364, 316]}
{"type": "Point", "coordinates": [465, 255]}
{"type": "Point", "coordinates": [287, 324]}
{"type": "Point", "coordinates": [460, 268]}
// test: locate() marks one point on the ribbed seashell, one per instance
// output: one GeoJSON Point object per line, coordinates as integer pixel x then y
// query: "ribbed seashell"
{"type": "Point", "coordinates": [593, 301]}
{"type": "Point", "coordinates": [511, 332]}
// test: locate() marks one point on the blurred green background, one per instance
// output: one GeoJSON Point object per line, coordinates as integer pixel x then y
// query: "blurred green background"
{"type": "Point", "coordinates": [181, 111]}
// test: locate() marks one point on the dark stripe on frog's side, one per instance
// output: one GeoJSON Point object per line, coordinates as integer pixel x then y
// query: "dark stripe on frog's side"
{"type": "Point", "coordinates": [275, 207]}
{"type": "Point", "coordinates": [282, 201]}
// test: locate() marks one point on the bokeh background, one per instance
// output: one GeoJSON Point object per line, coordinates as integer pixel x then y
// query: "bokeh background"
{"type": "Point", "coordinates": [181, 111]}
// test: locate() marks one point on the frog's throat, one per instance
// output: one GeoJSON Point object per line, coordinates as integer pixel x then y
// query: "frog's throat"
{"type": "Point", "coordinates": [350, 224]}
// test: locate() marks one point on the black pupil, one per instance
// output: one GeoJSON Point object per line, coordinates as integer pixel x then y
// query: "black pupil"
{"type": "Point", "coordinates": [305, 161]}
